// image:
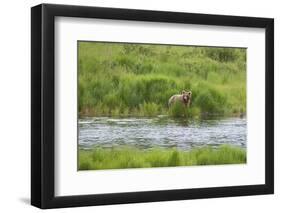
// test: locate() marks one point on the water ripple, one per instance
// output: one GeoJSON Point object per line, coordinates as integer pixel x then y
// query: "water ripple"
{"type": "Point", "coordinates": [163, 132]}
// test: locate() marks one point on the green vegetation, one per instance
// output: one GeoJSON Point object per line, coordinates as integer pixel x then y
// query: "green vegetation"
{"type": "Point", "coordinates": [127, 157]}
{"type": "Point", "coordinates": [137, 80]}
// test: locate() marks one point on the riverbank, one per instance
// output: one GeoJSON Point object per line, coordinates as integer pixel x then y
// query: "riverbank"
{"type": "Point", "coordinates": [127, 157]}
{"type": "Point", "coordinates": [151, 110]}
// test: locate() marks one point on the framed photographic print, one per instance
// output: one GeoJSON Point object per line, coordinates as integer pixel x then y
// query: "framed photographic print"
{"type": "Point", "coordinates": [139, 106]}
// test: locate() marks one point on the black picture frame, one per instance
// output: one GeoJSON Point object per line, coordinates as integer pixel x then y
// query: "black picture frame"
{"type": "Point", "coordinates": [43, 105]}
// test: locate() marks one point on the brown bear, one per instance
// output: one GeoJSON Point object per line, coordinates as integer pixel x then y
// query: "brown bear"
{"type": "Point", "coordinates": [184, 97]}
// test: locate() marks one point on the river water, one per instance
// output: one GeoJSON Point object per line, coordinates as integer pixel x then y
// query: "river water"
{"type": "Point", "coordinates": [164, 132]}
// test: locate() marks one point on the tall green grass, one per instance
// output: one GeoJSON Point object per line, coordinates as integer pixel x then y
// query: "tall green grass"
{"type": "Point", "coordinates": [128, 79]}
{"type": "Point", "coordinates": [127, 157]}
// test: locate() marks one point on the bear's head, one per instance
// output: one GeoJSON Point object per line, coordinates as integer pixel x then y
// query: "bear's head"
{"type": "Point", "coordinates": [186, 96]}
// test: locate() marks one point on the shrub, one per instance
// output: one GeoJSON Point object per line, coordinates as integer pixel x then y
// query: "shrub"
{"type": "Point", "coordinates": [222, 54]}
{"type": "Point", "coordinates": [211, 100]}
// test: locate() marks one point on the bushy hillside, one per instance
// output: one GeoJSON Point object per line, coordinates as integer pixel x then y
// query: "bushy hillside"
{"type": "Point", "coordinates": [118, 79]}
